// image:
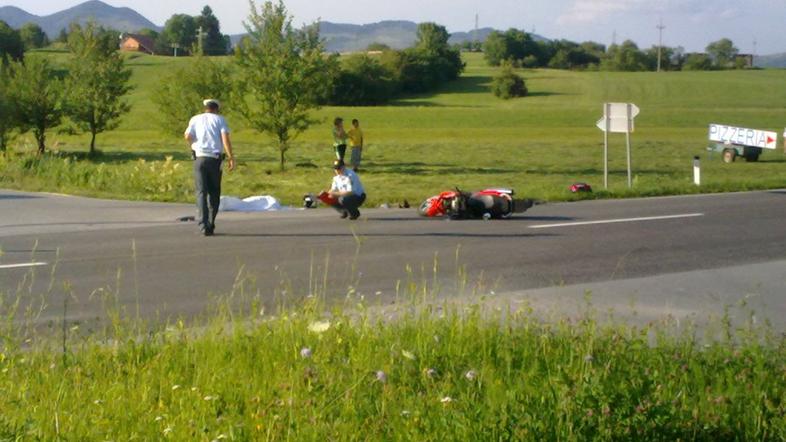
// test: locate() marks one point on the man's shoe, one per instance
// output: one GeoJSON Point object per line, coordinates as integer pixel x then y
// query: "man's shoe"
{"type": "Point", "coordinates": [353, 217]}
{"type": "Point", "coordinates": [344, 214]}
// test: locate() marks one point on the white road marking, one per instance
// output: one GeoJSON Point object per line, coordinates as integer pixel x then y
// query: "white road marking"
{"type": "Point", "coordinates": [621, 220]}
{"type": "Point", "coordinates": [19, 266]}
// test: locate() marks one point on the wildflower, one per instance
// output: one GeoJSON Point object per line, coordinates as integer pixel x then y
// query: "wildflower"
{"type": "Point", "coordinates": [408, 355]}
{"type": "Point", "coordinates": [589, 358]}
{"type": "Point", "coordinates": [159, 418]}
{"type": "Point", "coordinates": [405, 413]}
{"type": "Point", "coordinates": [221, 436]}
{"type": "Point", "coordinates": [167, 430]}
{"type": "Point", "coordinates": [210, 398]}
{"type": "Point", "coordinates": [471, 375]}
{"type": "Point", "coordinates": [305, 352]}
{"type": "Point", "coordinates": [378, 293]}
{"type": "Point", "coordinates": [319, 327]}
{"type": "Point", "coordinates": [446, 400]}
{"type": "Point", "coordinates": [590, 413]}
{"type": "Point", "coordinates": [381, 376]}
{"type": "Point", "coordinates": [430, 372]}
{"type": "Point", "coordinates": [175, 387]}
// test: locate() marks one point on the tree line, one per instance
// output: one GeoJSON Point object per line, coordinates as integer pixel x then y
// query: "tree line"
{"type": "Point", "coordinates": [520, 49]}
{"type": "Point", "coordinates": [86, 96]}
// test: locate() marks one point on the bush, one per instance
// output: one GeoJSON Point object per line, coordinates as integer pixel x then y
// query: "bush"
{"type": "Point", "coordinates": [362, 80]}
{"type": "Point", "coordinates": [508, 84]}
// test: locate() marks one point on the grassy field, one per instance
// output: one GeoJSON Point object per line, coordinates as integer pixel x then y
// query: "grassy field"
{"type": "Point", "coordinates": [422, 371]}
{"type": "Point", "coordinates": [460, 136]}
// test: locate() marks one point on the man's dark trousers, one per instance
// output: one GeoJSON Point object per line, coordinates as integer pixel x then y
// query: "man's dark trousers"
{"type": "Point", "coordinates": [350, 203]}
{"type": "Point", "coordinates": [207, 180]}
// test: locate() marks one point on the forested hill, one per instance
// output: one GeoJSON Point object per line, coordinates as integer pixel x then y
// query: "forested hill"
{"type": "Point", "coordinates": [121, 19]}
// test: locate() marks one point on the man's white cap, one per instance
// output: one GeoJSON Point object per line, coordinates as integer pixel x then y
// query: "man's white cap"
{"type": "Point", "coordinates": [209, 101]}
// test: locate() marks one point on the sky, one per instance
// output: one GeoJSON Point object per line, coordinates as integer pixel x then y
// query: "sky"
{"type": "Point", "coordinates": [755, 26]}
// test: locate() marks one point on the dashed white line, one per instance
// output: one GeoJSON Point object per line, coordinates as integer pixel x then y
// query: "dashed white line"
{"type": "Point", "coordinates": [620, 220]}
{"type": "Point", "coordinates": [21, 266]}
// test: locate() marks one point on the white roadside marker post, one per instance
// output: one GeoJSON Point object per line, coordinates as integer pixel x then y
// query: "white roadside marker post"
{"type": "Point", "coordinates": [696, 171]}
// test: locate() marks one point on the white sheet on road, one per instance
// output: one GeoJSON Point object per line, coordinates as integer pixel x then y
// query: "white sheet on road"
{"type": "Point", "coordinates": [259, 203]}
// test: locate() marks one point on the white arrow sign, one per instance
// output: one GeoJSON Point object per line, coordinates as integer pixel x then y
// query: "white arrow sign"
{"type": "Point", "coordinates": [743, 136]}
{"type": "Point", "coordinates": [618, 119]}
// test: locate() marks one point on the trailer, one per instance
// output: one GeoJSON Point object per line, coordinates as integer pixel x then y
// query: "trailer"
{"type": "Point", "coordinates": [733, 142]}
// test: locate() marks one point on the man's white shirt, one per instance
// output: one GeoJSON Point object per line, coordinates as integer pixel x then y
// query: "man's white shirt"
{"type": "Point", "coordinates": [348, 182]}
{"type": "Point", "coordinates": [206, 129]}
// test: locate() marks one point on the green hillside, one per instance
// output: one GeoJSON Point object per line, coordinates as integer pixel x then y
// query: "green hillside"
{"type": "Point", "coordinates": [465, 136]}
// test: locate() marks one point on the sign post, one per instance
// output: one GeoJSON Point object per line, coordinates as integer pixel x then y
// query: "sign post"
{"type": "Point", "coordinates": [617, 118]}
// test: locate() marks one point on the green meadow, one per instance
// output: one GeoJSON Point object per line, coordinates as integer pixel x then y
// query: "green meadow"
{"type": "Point", "coordinates": [460, 136]}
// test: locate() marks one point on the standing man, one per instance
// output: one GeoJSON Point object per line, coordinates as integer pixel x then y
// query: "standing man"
{"type": "Point", "coordinates": [356, 143]}
{"type": "Point", "coordinates": [347, 189]}
{"type": "Point", "coordinates": [208, 133]}
{"type": "Point", "coordinates": [339, 138]}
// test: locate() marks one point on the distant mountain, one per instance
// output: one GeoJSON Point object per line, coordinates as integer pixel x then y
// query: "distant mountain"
{"type": "Point", "coordinates": [16, 17]}
{"type": "Point", "coordinates": [770, 61]}
{"type": "Point", "coordinates": [398, 34]}
{"type": "Point", "coordinates": [121, 19]}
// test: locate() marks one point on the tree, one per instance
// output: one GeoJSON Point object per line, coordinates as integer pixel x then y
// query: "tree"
{"type": "Point", "coordinates": [722, 52]}
{"type": "Point", "coordinates": [431, 62]}
{"type": "Point", "coordinates": [363, 80]}
{"type": "Point", "coordinates": [11, 47]}
{"type": "Point", "coordinates": [697, 62]}
{"type": "Point", "coordinates": [37, 95]}
{"type": "Point", "coordinates": [179, 95]}
{"type": "Point", "coordinates": [625, 57]}
{"type": "Point", "coordinates": [508, 84]}
{"type": "Point", "coordinates": [180, 30]}
{"type": "Point", "coordinates": [282, 74]}
{"type": "Point", "coordinates": [97, 81]}
{"type": "Point", "coordinates": [8, 123]}
{"type": "Point", "coordinates": [513, 44]}
{"type": "Point", "coordinates": [495, 48]}
{"type": "Point", "coordinates": [432, 38]}
{"type": "Point", "coordinates": [33, 37]}
{"type": "Point", "coordinates": [213, 43]}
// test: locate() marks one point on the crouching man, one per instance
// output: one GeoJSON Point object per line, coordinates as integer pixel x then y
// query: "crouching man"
{"type": "Point", "coordinates": [346, 190]}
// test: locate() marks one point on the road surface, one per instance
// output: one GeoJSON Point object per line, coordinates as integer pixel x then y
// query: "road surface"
{"type": "Point", "coordinates": [683, 256]}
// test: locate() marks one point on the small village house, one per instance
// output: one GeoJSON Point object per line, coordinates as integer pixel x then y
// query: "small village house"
{"type": "Point", "coordinates": [137, 43]}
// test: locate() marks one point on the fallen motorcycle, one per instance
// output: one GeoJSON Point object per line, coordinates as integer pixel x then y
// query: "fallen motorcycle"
{"type": "Point", "coordinates": [483, 204]}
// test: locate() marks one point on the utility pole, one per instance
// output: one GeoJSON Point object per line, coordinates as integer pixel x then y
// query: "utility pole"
{"type": "Point", "coordinates": [175, 46]}
{"type": "Point", "coordinates": [660, 40]}
{"type": "Point", "coordinates": [200, 35]}
{"type": "Point", "coordinates": [477, 39]}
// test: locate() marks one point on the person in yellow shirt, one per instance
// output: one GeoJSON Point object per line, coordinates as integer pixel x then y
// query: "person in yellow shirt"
{"type": "Point", "coordinates": [356, 143]}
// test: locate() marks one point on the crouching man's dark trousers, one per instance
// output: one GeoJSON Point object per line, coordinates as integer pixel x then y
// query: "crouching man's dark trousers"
{"type": "Point", "coordinates": [207, 180]}
{"type": "Point", "coordinates": [350, 203]}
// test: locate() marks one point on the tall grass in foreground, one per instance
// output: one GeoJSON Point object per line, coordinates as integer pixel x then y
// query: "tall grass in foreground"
{"type": "Point", "coordinates": [420, 371]}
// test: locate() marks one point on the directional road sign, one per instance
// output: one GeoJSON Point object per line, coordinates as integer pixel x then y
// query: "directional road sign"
{"type": "Point", "coordinates": [619, 119]}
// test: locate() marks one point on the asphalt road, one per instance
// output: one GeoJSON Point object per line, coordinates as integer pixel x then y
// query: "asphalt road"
{"type": "Point", "coordinates": [681, 256]}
